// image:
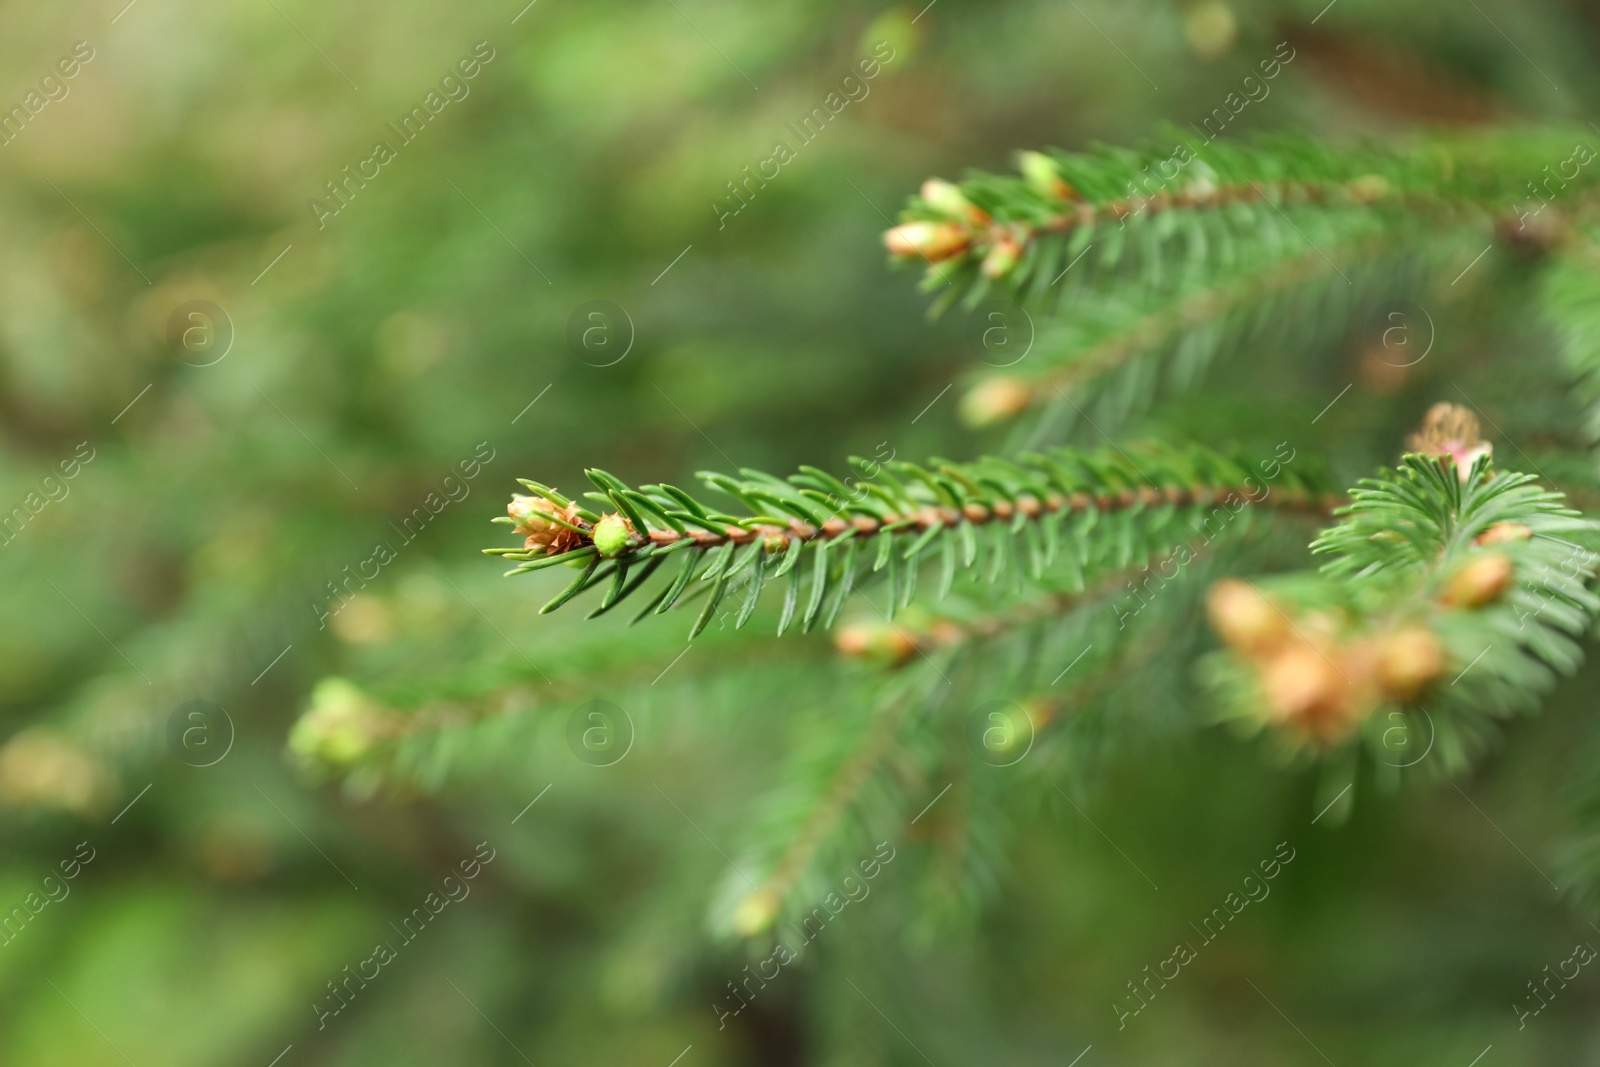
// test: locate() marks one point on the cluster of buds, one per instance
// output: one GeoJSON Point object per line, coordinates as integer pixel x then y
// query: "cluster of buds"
{"type": "Point", "coordinates": [534, 518]}
{"type": "Point", "coordinates": [1318, 679]}
{"type": "Point", "coordinates": [958, 227]}
{"type": "Point", "coordinates": [963, 227]}
{"type": "Point", "coordinates": [1316, 682]}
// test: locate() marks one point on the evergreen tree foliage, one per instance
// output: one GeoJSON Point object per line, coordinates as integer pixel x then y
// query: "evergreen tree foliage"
{"type": "Point", "coordinates": [1271, 516]}
{"type": "Point", "coordinates": [1444, 569]}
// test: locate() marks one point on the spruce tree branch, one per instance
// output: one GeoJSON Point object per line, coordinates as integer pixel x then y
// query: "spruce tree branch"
{"type": "Point", "coordinates": [837, 535]}
{"type": "Point", "coordinates": [1017, 232]}
{"type": "Point", "coordinates": [837, 798]}
{"type": "Point", "coordinates": [1440, 570]}
{"type": "Point", "coordinates": [955, 642]}
{"type": "Point", "coordinates": [1096, 341]}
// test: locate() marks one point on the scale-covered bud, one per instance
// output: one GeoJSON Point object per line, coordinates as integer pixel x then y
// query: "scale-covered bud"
{"type": "Point", "coordinates": [534, 518]}
{"type": "Point", "coordinates": [532, 514]}
{"type": "Point", "coordinates": [612, 535]}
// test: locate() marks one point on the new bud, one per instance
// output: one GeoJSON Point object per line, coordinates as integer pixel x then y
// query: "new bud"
{"type": "Point", "coordinates": [1502, 533]}
{"type": "Point", "coordinates": [880, 641]}
{"type": "Point", "coordinates": [1244, 618]}
{"type": "Point", "coordinates": [1368, 188]}
{"type": "Point", "coordinates": [948, 200]}
{"type": "Point", "coordinates": [342, 725]}
{"type": "Point", "coordinates": [532, 515]}
{"type": "Point", "coordinates": [930, 240]}
{"type": "Point", "coordinates": [1002, 258]}
{"type": "Point", "coordinates": [755, 913]}
{"type": "Point", "coordinates": [1304, 691]}
{"type": "Point", "coordinates": [1409, 661]}
{"type": "Point", "coordinates": [612, 535]}
{"type": "Point", "coordinates": [1044, 177]}
{"type": "Point", "coordinates": [1479, 581]}
{"type": "Point", "coordinates": [995, 399]}
{"type": "Point", "coordinates": [534, 519]}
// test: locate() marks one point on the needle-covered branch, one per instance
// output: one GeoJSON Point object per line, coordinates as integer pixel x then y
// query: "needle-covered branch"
{"type": "Point", "coordinates": [1111, 354]}
{"type": "Point", "coordinates": [1199, 204]}
{"type": "Point", "coordinates": [994, 517]}
{"type": "Point", "coordinates": [1451, 588]}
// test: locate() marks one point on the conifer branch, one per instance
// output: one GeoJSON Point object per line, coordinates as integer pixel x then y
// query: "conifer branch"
{"type": "Point", "coordinates": [1031, 512]}
{"type": "Point", "coordinates": [1200, 201]}
{"type": "Point", "coordinates": [839, 774]}
{"type": "Point", "coordinates": [1451, 588]}
{"type": "Point", "coordinates": [838, 786]}
{"type": "Point", "coordinates": [1190, 322]}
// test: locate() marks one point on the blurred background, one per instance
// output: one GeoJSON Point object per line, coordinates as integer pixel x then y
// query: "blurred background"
{"type": "Point", "coordinates": [262, 384]}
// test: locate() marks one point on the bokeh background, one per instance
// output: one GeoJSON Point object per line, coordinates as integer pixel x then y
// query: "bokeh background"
{"type": "Point", "coordinates": [360, 362]}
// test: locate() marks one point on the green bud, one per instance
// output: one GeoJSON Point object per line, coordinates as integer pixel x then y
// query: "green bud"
{"type": "Point", "coordinates": [611, 536]}
{"type": "Point", "coordinates": [1043, 176]}
{"type": "Point", "coordinates": [946, 199]}
{"type": "Point", "coordinates": [341, 726]}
